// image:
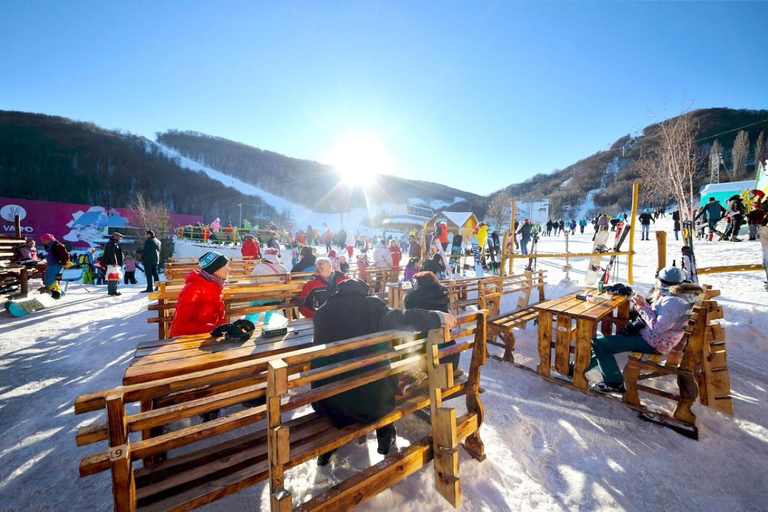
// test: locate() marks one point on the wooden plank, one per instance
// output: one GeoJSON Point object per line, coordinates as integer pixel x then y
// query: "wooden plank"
{"type": "Point", "coordinates": [564, 335]}
{"type": "Point", "coordinates": [584, 332]}
{"type": "Point", "coordinates": [123, 484]}
{"type": "Point", "coordinates": [545, 338]}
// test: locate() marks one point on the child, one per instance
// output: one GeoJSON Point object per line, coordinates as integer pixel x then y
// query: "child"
{"type": "Point", "coordinates": [101, 270]}
{"type": "Point", "coordinates": [411, 269]}
{"type": "Point", "coordinates": [130, 270]}
{"type": "Point", "coordinates": [343, 265]}
{"type": "Point", "coordinates": [28, 253]}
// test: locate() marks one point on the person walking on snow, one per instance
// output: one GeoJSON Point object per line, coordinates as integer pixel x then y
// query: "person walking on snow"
{"type": "Point", "coordinates": [714, 212]}
{"type": "Point", "coordinates": [349, 242]}
{"type": "Point", "coordinates": [756, 218]}
{"type": "Point", "coordinates": [150, 257]}
{"type": "Point", "coordinates": [56, 258]}
{"type": "Point", "coordinates": [676, 219]}
{"type": "Point", "coordinates": [645, 224]}
{"type": "Point", "coordinates": [113, 255]}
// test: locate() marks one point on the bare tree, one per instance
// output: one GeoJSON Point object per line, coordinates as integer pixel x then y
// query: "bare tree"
{"type": "Point", "coordinates": [672, 162]}
{"type": "Point", "coordinates": [150, 215]}
{"type": "Point", "coordinates": [499, 210]}
{"type": "Point", "coordinates": [739, 154]}
{"type": "Point", "coordinates": [761, 151]}
{"type": "Point", "coordinates": [715, 158]}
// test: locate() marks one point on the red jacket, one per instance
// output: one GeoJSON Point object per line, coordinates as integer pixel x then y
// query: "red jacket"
{"type": "Point", "coordinates": [318, 290]}
{"type": "Point", "coordinates": [443, 233]}
{"type": "Point", "coordinates": [396, 253]}
{"type": "Point", "coordinates": [250, 249]}
{"type": "Point", "coordinates": [200, 308]}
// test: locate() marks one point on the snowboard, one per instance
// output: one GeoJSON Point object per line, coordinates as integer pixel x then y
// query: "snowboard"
{"type": "Point", "coordinates": [622, 231]}
{"type": "Point", "coordinates": [478, 257]}
{"type": "Point", "coordinates": [764, 242]}
{"type": "Point", "coordinates": [22, 307]}
{"type": "Point", "coordinates": [493, 252]}
{"type": "Point", "coordinates": [455, 252]}
{"type": "Point", "coordinates": [688, 258]}
{"type": "Point", "coordinates": [601, 238]}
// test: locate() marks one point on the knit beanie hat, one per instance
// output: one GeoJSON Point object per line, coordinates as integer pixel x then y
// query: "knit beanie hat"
{"type": "Point", "coordinates": [45, 238]}
{"type": "Point", "coordinates": [272, 255]}
{"type": "Point", "coordinates": [212, 261]}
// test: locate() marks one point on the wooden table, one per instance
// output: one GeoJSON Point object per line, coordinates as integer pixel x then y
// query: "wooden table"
{"type": "Point", "coordinates": [159, 359]}
{"type": "Point", "coordinates": [567, 311]}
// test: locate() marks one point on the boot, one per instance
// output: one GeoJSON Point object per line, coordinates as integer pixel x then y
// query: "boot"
{"type": "Point", "coordinates": [386, 437]}
{"type": "Point", "coordinates": [710, 236]}
{"type": "Point", "coordinates": [607, 387]}
{"type": "Point", "coordinates": [325, 458]}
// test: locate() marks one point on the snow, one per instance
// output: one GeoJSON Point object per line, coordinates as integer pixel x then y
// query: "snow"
{"type": "Point", "coordinates": [548, 447]}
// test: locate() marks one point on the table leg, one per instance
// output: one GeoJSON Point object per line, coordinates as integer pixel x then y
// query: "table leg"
{"type": "Point", "coordinates": [563, 344]}
{"type": "Point", "coordinates": [623, 314]}
{"type": "Point", "coordinates": [545, 342]}
{"type": "Point", "coordinates": [584, 332]}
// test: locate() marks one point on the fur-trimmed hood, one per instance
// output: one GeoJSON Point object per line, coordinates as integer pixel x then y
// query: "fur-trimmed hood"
{"type": "Point", "coordinates": [686, 289]}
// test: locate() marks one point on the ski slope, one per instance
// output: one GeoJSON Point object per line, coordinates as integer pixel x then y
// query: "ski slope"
{"type": "Point", "coordinates": [548, 447]}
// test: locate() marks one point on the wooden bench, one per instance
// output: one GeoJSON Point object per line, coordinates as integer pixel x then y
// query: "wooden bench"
{"type": "Point", "coordinates": [179, 270]}
{"type": "Point", "coordinates": [237, 297]}
{"type": "Point", "coordinates": [698, 362]}
{"type": "Point", "coordinates": [502, 324]}
{"type": "Point", "coordinates": [246, 446]}
{"type": "Point", "coordinates": [465, 292]}
{"type": "Point", "coordinates": [14, 278]}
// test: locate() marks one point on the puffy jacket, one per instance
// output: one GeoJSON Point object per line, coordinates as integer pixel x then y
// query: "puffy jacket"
{"type": "Point", "coordinates": [317, 291]}
{"type": "Point", "coordinates": [350, 241]}
{"type": "Point", "coordinates": [349, 313]}
{"type": "Point", "coordinates": [57, 253]}
{"type": "Point", "coordinates": [266, 268]}
{"type": "Point", "coordinates": [713, 210]}
{"type": "Point", "coordinates": [200, 307]}
{"type": "Point", "coordinates": [443, 233]}
{"type": "Point", "coordinates": [381, 257]}
{"type": "Point", "coordinates": [646, 218]}
{"type": "Point", "coordinates": [667, 316]}
{"type": "Point", "coordinates": [150, 253]}
{"type": "Point", "coordinates": [756, 216]}
{"type": "Point", "coordinates": [305, 264]}
{"type": "Point", "coordinates": [414, 250]}
{"type": "Point", "coordinates": [395, 255]}
{"type": "Point", "coordinates": [113, 253]}
{"type": "Point", "coordinates": [250, 249]}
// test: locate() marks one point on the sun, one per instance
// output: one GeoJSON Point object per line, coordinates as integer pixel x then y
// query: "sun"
{"type": "Point", "coordinates": [359, 159]}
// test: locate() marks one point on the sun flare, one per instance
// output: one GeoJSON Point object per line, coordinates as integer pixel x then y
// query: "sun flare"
{"type": "Point", "coordinates": [359, 159]}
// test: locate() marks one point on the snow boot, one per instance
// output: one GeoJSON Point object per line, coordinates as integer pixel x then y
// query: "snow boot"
{"type": "Point", "coordinates": [608, 388]}
{"type": "Point", "coordinates": [386, 437]}
{"type": "Point", "coordinates": [734, 239]}
{"type": "Point", "coordinates": [325, 458]}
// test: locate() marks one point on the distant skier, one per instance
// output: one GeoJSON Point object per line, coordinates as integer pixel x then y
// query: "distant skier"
{"type": "Point", "coordinates": [756, 218]}
{"type": "Point", "coordinates": [582, 225]}
{"type": "Point", "coordinates": [676, 219]}
{"type": "Point", "coordinates": [549, 228]}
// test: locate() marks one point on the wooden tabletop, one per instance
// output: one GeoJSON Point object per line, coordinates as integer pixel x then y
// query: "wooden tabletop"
{"type": "Point", "coordinates": [576, 308]}
{"type": "Point", "coordinates": [158, 359]}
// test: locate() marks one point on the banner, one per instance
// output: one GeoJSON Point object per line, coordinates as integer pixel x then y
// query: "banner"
{"type": "Point", "coordinates": [81, 225]}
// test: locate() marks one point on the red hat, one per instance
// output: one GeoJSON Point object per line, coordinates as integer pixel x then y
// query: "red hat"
{"type": "Point", "coordinates": [46, 237]}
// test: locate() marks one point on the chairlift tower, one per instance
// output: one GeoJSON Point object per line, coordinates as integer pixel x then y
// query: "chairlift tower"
{"type": "Point", "coordinates": [714, 171]}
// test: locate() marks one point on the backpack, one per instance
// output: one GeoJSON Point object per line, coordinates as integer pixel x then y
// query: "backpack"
{"type": "Point", "coordinates": [82, 260]}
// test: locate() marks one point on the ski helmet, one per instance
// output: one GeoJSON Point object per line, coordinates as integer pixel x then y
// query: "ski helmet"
{"type": "Point", "coordinates": [671, 276]}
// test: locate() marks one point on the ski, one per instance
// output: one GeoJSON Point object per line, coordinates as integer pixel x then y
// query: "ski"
{"type": "Point", "coordinates": [601, 238]}
{"type": "Point", "coordinates": [688, 258]}
{"type": "Point", "coordinates": [622, 230]}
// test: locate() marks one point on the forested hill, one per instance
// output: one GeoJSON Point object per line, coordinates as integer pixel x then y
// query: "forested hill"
{"type": "Point", "coordinates": [610, 173]}
{"type": "Point", "coordinates": [302, 181]}
{"type": "Point", "coordinates": [57, 159]}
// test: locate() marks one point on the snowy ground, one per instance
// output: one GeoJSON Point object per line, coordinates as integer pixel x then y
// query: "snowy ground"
{"type": "Point", "coordinates": [548, 448]}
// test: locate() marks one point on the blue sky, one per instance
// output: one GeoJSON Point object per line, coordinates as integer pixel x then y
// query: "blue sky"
{"type": "Point", "coordinates": [476, 95]}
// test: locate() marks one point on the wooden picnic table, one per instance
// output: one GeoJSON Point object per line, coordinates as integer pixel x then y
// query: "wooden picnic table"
{"type": "Point", "coordinates": [576, 320]}
{"type": "Point", "coordinates": [159, 359]}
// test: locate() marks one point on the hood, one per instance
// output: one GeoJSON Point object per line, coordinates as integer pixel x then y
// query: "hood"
{"type": "Point", "coordinates": [353, 286]}
{"type": "Point", "coordinates": [686, 289]}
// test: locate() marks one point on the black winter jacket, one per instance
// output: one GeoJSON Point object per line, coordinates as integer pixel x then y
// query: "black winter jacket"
{"type": "Point", "coordinates": [349, 313]}
{"type": "Point", "coordinates": [150, 254]}
{"type": "Point", "coordinates": [113, 253]}
{"type": "Point", "coordinates": [433, 297]}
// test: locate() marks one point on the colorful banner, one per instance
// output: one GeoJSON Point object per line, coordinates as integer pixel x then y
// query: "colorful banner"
{"type": "Point", "coordinates": [79, 224]}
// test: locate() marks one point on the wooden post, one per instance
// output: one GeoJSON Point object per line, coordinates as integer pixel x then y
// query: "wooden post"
{"type": "Point", "coordinates": [444, 432]}
{"type": "Point", "coordinates": [633, 221]}
{"type": "Point", "coordinates": [17, 226]}
{"type": "Point", "coordinates": [661, 248]}
{"type": "Point", "coordinates": [123, 483]}
{"type": "Point", "coordinates": [278, 441]}
{"type": "Point", "coordinates": [473, 444]}
{"type": "Point", "coordinates": [512, 235]}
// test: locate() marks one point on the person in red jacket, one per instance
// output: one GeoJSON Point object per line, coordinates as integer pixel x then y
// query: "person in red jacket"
{"type": "Point", "coordinates": [397, 255]}
{"type": "Point", "coordinates": [200, 308]}
{"type": "Point", "coordinates": [442, 234]}
{"type": "Point", "coordinates": [320, 288]}
{"type": "Point", "coordinates": [250, 248]}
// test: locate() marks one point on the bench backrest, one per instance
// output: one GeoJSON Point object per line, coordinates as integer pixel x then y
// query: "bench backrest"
{"type": "Point", "coordinates": [492, 290]}
{"type": "Point", "coordinates": [269, 378]}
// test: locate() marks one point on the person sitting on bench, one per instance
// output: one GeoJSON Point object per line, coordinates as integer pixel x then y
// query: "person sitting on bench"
{"type": "Point", "coordinates": [349, 313]}
{"type": "Point", "coordinates": [661, 325]}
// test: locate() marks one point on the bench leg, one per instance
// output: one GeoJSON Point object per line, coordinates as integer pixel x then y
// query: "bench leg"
{"type": "Point", "coordinates": [545, 343]}
{"type": "Point", "coordinates": [509, 345]}
{"type": "Point", "coordinates": [631, 376]}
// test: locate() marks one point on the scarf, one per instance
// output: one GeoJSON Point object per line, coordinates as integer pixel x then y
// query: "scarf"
{"type": "Point", "coordinates": [210, 277]}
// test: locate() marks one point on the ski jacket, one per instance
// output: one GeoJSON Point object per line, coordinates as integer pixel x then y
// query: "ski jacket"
{"type": "Point", "coordinates": [305, 264]}
{"type": "Point", "coordinates": [301, 238]}
{"type": "Point", "coordinates": [381, 257]}
{"type": "Point", "coordinates": [351, 312]}
{"type": "Point", "coordinates": [215, 225]}
{"type": "Point", "coordinates": [395, 255]}
{"type": "Point", "coordinates": [646, 218]}
{"type": "Point", "coordinates": [130, 265]}
{"type": "Point", "coordinates": [200, 307]}
{"type": "Point", "coordinates": [756, 216]}
{"type": "Point", "coordinates": [250, 249]}
{"type": "Point", "coordinates": [56, 253]}
{"type": "Point", "coordinates": [736, 208]}
{"type": "Point", "coordinates": [525, 230]}
{"type": "Point", "coordinates": [435, 265]}
{"type": "Point", "coordinates": [350, 239]}
{"type": "Point", "coordinates": [429, 296]}
{"type": "Point", "coordinates": [150, 253]}
{"type": "Point", "coordinates": [113, 253]}
{"type": "Point", "coordinates": [414, 250]}
{"type": "Point", "coordinates": [317, 291]}
{"type": "Point", "coordinates": [667, 316]}
{"type": "Point", "coordinates": [443, 232]}
{"type": "Point", "coordinates": [267, 268]}
{"type": "Point", "coordinates": [713, 210]}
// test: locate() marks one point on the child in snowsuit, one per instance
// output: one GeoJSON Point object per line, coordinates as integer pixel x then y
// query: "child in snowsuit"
{"type": "Point", "coordinates": [130, 270]}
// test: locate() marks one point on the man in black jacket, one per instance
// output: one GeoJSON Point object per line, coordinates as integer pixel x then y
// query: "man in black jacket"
{"type": "Point", "coordinates": [113, 255]}
{"type": "Point", "coordinates": [150, 257]}
{"type": "Point", "coordinates": [351, 312]}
